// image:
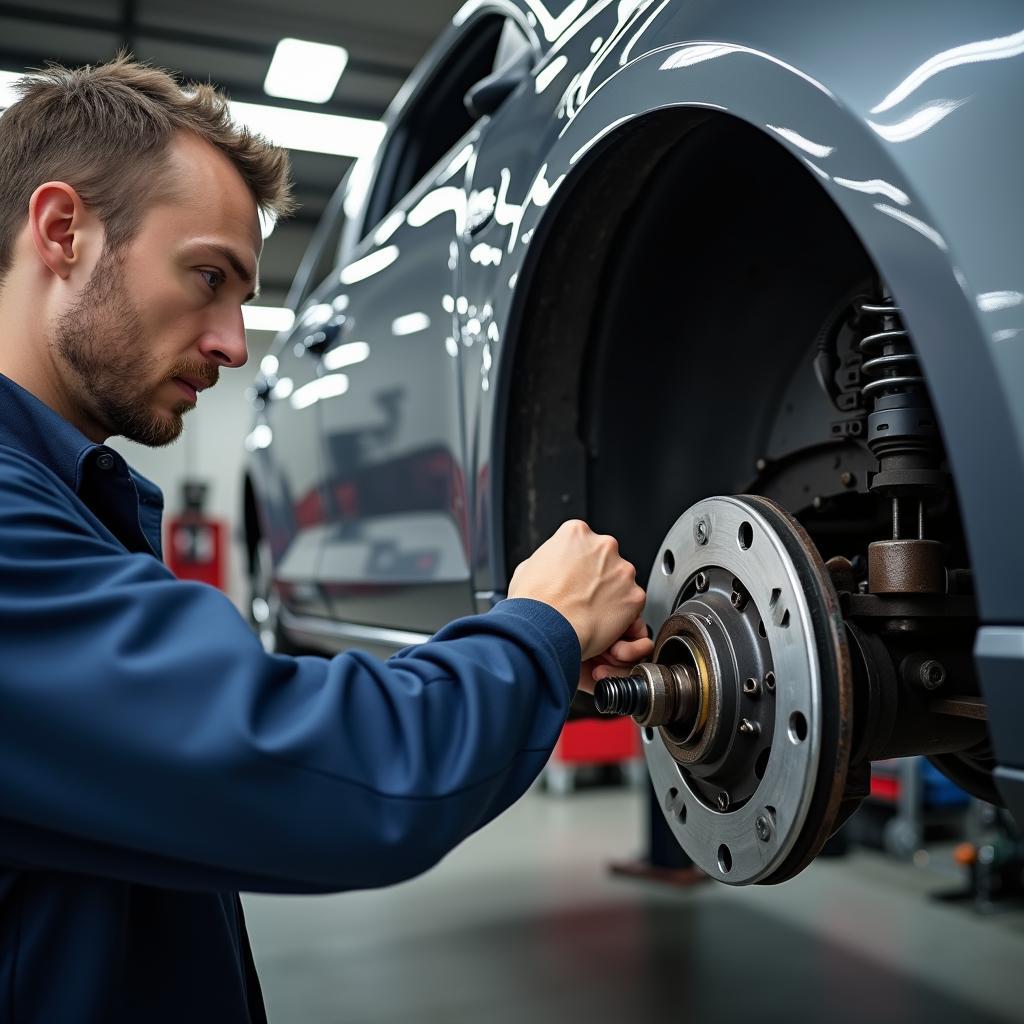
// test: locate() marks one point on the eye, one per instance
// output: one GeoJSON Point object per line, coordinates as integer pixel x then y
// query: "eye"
{"type": "Point", "coordinates": [213, 278]}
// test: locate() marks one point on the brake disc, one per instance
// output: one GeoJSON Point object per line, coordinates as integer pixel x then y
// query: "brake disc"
{"type": "Point", "coordinates": [752, 779]}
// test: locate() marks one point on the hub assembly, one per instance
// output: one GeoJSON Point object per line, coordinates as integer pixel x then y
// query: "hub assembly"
{"type": "Point", "coordinates": [746, 709]}
{"type": "Point", "coordinates": [776, 680]}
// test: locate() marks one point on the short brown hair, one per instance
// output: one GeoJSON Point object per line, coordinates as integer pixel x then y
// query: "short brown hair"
{"type": "Point", "coordinates": [105, 130]}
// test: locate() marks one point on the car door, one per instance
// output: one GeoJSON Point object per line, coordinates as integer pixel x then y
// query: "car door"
{"type": "Point", "coordinates": [397, 554]}
{"type": "Point", "coordinates": [287, 458]}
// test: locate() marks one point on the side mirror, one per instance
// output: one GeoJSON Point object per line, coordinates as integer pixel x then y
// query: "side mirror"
{"type": "Point", "coordinates": [489, 93]}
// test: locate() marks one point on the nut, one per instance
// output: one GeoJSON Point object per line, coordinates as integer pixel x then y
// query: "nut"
{"type": "Point", "coordinates": [932, 674]}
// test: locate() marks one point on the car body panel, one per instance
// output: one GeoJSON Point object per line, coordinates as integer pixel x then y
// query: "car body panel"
{"type": "Point", "coordinates": [397, 552]}
{"type": "Point", "coordinates": [904, 114]}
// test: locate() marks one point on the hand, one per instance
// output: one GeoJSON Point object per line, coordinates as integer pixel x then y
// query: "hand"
{"type": "Point", "coordinates": [633, 647]}
{"type": "Point", "coordinates": [581, 574]}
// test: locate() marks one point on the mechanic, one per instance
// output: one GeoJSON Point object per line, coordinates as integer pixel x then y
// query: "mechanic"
{"type": "Point", "coordinates": [154, 760]}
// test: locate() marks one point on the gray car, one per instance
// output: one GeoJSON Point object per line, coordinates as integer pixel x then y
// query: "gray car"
{"type": "Point", "coordinates": [740, 284]}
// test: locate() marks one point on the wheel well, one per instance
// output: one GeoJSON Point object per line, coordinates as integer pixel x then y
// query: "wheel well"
{"type": "Point", "coordinates": [660, 335]}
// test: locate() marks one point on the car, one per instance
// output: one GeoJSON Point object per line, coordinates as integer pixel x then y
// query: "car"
{"type": "Point", "coordinates": [742, 286]}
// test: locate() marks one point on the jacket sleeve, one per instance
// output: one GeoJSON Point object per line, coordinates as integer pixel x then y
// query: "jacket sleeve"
{"type": "Point", "coordinates": [146, 735]}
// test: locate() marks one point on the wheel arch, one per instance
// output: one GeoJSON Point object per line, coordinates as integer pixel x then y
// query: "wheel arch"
{"type": "Point", "coordinates": [904, 240]}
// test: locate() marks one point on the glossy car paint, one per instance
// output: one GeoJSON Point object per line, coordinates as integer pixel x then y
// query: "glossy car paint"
{"type": "Point", "coordinates": [906, 115]}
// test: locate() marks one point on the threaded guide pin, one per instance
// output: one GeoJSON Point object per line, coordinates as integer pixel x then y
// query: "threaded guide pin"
{"type": "Point", "coordinates": [621, 695]}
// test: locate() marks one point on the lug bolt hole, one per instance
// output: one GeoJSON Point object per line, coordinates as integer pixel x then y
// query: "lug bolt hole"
{"type": "Point", "coordinates": [724, 859]}
{"type": "Point", "coordinates": [797, 727]}
{"type": "Point", "coordinates": [668, 563]}
{"type": "Point", "coordinates": [745, 535]}
{"type": "Point", "coordinates": [769, 681]}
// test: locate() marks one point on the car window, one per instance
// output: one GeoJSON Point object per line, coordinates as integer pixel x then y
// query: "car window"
{"type": "Point", "coordinates": [437, 118]}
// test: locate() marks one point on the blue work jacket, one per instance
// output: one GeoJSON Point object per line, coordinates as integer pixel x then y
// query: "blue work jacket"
{"type": "Point", "coordinates": [154, 760]}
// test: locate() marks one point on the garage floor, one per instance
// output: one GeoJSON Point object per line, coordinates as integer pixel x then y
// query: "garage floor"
{"type": "Point", "coordinates": [523, 925]}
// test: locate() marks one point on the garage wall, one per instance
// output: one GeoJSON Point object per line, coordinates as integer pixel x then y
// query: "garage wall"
{"type": "Point", "coordinates": [210, 449]}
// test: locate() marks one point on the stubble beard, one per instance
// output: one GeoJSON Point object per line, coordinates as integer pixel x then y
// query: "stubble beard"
{"type": "Point", "coordinates": [100, 340]}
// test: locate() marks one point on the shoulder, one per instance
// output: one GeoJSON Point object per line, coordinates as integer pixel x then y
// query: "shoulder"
{"type": "Point", "coordinates": [20, 472]}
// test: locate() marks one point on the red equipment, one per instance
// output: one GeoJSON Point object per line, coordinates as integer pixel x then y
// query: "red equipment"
{"type": "Point", "coordinates": [195, 543]}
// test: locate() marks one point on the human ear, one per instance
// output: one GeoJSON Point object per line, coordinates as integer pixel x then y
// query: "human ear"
{"type": "Point", "coordinates": [58, 223]}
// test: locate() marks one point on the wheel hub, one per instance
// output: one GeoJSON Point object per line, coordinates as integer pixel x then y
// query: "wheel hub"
{"type": "Point", "coordinates": [748, 749]}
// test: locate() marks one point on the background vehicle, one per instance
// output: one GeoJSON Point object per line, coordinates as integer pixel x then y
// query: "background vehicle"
{"type": "Point", "coordinates": [679, 252]}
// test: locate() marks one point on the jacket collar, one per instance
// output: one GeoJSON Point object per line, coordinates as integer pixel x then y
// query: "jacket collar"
{"type": "Point", "coordinates": [33, 427]}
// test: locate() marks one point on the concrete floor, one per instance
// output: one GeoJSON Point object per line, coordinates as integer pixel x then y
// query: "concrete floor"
{"type": "Point", "coordinates": [523, 925]}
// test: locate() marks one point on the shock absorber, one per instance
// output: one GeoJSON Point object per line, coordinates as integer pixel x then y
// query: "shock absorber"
{"type": "Point", "coordinates": [903, 435]}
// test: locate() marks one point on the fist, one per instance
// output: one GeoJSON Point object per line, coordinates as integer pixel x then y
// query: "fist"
{"type": "Point", "coordinates": [582, 575]}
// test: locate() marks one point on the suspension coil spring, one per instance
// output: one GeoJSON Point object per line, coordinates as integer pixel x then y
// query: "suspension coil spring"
{"type": "Point", "coordinates": [895, 365]}
{"type": "Point", "coordinates": [901, 428]}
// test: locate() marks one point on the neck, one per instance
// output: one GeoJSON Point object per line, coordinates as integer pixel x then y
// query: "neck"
{"type": "Point", "coordinates": [29, 358]}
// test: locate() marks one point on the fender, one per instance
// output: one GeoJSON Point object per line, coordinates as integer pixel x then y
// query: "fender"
{"type": "Point", "coordinates": [917, 152]}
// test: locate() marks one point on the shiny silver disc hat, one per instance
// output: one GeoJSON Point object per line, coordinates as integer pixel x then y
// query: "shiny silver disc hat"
{"type": "Point", "coordinates": [750, 772]}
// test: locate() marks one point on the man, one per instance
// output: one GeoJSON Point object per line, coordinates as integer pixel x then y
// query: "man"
{"type": "Point", "coordinates": [153, 758]}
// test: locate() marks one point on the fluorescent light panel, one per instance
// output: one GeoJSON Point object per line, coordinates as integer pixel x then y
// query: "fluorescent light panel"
{"type": "Point", "coordinates": [306, 71]}
{"type": "Point", "coordinates": [8, 80]}
{"type": "Point", "coordinates": [310, 130]}
{"type": "Point", "coordinates": [307, 130]}
{"type": "Point", "coordinates": [267, 318]}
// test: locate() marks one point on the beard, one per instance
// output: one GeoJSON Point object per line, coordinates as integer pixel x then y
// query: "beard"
{"type": "Point", "coordinates": [100, 338]}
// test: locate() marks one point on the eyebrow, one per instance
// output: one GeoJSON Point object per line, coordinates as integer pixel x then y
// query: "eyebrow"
{"type": "Point", "coordinates": [237, 266]}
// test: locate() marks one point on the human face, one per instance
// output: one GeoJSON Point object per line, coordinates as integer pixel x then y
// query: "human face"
{"type": "Point", "coordinates": [161, 314]}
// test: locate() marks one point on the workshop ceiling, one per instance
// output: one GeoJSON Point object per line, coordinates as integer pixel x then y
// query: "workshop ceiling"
{"type": "Point", "coordinates": [231, 43]}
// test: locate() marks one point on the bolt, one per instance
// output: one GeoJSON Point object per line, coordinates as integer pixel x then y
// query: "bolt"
{"type": "Point", "coordinates": [848, 479]}
{"type": "Point", "coordinates": [723, 801]}
{"type": "Point", "coordinates": [932, 674]}
{"type": "Point", "coordinates": [749, 728]}
{"type": "Point", "coordinates": [739, 599]}
{"type": "Point", "coordinates": [769, 681]}
{"type": "Point", "coordinates": [702, 530]}
{"type": "Point", "coordinates": [764, 828]}
{"type": "Point", "coordinates": [752, 688]}
{"type": "Point", "coordinates": [701, 582]}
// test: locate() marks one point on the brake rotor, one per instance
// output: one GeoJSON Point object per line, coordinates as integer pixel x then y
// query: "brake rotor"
{"type": "Point", "coordinates": [751, 784]}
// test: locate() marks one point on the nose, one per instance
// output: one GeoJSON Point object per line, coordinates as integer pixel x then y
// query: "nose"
{"type": "Point", "coordinates": [224, 344]}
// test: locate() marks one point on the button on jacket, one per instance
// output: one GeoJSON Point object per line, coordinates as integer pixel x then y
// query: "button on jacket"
{"type": "Point", "coordinates": [154, 760]}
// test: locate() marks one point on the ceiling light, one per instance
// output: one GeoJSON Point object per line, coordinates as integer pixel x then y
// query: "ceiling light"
{"type": "Point", "coordinates": [310, 130]}
{"type": "Point", "coordinates": [305, 71]}
{"type": "Point", "coordinates": [8, 80]}
{"type": "Point", "coordinates": [267, 318]}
